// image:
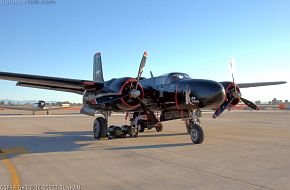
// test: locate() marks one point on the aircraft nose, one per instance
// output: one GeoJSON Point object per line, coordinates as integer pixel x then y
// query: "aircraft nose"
{"type": "Point", "coordinates": [217, 95]}
{"type": "Point", "coordinates": [214, 94]}
{"type": "Point", "coordinates": [220, 95]}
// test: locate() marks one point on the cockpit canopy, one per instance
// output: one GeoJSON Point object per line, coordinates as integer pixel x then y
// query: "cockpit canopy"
{"type": "Point", "coordinates": [171, 77]}
{"type": "Point", "coordinates": [178, 76]}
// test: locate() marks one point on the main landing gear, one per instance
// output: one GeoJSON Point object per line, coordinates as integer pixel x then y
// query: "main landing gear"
{"type": "Point", "coordinates": [100, 128]}
{"type": "Point", "coordinates": [138, 123]}
{"type": "Point", "coordinates": [194, 128]}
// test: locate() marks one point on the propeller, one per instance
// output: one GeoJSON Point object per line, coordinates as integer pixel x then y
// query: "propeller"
{"type": "Point", "coordinates": [141, 67]}
{"type": "Point", "coordinates": [233, 94]}
{"type": "Point", "coordinates": [40, 103]}
{"type": "Point", "coordinates": [148, 112]}
{"type": "Point", "coordinates": [136, 93]}
{"type": "Point", "coordinates": [250, 104]}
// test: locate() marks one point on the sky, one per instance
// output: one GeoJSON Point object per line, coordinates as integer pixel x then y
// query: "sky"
{"type": "Point", "coordinates": [197, 37]}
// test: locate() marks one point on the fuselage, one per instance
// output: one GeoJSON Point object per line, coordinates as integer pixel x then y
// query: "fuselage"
{"type": "Point", "coordinates": [185, 94]}
{"type": "Point", "coordinates": [173, 91]}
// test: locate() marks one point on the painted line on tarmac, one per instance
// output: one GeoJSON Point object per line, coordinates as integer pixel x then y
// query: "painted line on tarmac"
{"type": "Point", "coordinates": [14, 175]}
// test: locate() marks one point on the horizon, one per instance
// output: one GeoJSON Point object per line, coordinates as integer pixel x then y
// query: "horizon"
{"type": "Point", "coordinates": [13, 101]}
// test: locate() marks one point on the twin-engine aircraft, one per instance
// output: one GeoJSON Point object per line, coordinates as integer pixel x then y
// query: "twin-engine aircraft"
{"type": "Point", "coordinates": [174, 95]}
{"type": "Point", "coordinates": [39, 106]}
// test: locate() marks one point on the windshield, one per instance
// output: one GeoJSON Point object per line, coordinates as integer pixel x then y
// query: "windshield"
{"type": "Point", "coordinates": [178, 76]}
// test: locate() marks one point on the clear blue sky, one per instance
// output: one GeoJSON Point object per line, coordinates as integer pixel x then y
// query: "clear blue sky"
{"type": "Point", "coordinates": [192, 36]}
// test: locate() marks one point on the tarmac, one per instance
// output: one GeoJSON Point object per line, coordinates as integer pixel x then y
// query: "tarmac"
{"type": "Point", "coordinates": [242, 150]}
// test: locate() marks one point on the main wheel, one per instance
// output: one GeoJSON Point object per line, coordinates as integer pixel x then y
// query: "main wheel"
{"type": "Point", "coordinates": [100, 128]}
{"type": "Point", "coordinates": [142, 129]}
{"type": "Point", "coordinates": [159, 128]}
{"type": "Point", "coordinates": [189, 123]}
{"type": "Point", "coordinates": [196, 133]}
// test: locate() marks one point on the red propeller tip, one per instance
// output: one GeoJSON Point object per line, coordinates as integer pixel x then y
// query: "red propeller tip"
{"type": "Point", "coordinates": [145, 54]}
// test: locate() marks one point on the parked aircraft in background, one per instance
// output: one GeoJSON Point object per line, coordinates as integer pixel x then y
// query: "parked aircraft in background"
{"type": "Point", "coordinates": [39, 106]}
{"type": "Point", "coordinates": [175, 95]}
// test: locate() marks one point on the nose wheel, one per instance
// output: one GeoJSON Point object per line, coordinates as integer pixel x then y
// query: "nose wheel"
{"type": "Point", "coordinates": [194, 128]}
{"type": "Point", "coordinates": [195, 132]}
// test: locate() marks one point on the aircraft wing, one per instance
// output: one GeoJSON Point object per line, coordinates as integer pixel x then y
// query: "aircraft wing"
{"type": "Point", "coordinates": [256, 84]}
{"type": "Point", "coordinates": [21, 108]}
{"type": "Point", "coordinates": [26, 108]}
{"type": "Point", "coordinates": [51, 83]}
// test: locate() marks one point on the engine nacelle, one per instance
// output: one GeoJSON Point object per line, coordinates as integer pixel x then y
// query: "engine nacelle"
{"type": "Point", "coordinates": [41, 104]}
{"type": "Point", "coordinates": [230, 90]}
{"type": "Point", "coordinates": [125, 87]}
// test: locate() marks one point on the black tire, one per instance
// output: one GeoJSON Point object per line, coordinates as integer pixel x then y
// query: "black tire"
{"type": "Point", "coordinates": [196, 133]}
{"type": "Point", "coordinates": [159, 129]}
{"type": "Point", "coordinates": [188, 127]}
{"type": "Point", "coordinates": [142, 129]}
{"type": "Point", "coordinates": [100, 128]}
{"type": "Point", "coordinates": [136, 132]}
{"type": "Point", "coordinates": [189, 124]}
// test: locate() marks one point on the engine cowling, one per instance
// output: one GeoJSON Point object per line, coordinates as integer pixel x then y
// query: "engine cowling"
{"type": "Point", "coordinates": [41, 104]}
{"type": "Point", "coordinates": [124, 87]}
{"type": "Point", "coordinates": [232, 90]}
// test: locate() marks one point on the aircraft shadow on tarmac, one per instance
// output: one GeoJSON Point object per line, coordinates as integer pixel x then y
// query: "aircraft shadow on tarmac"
{"type": "Point", "coordinates": [70, 141]}
{"type": "Point", "coordinates": [10, 114]}
{"type": "Point", "coordinates": [162, 135]}
{"type": "Point", "coordinates": [150, 146]}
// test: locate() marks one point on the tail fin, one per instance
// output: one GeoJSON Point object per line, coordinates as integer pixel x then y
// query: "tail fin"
{"type": "Point", "coordinates": [98, 70]}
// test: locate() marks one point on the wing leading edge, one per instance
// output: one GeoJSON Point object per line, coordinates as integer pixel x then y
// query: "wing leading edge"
{"type": "Point", "coordinates": [256, 84]}
{"type": "Point", "coordinates": [51, 83]}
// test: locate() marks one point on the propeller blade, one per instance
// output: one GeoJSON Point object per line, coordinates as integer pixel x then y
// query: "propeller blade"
{"type": "Point", "coordinates": [250, 104]}
{"type": "Point", "coordinates": [141, 67]}
{"type": "Point", "coordinates": [222, 108]}
{"type": "Point", "coordinates": [232, 71]}
{"type": "Point", "coordinates": [148, 112]}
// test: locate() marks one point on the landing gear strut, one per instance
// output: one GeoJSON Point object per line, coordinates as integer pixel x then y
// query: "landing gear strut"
{"type": "Point", "coordinates": [141, 122]}
{"type": "Point", "coordinates": [194, 128]}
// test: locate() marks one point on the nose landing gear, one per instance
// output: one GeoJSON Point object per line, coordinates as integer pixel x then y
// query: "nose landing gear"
{"type": "Point", "coordinates": [194, 128]}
